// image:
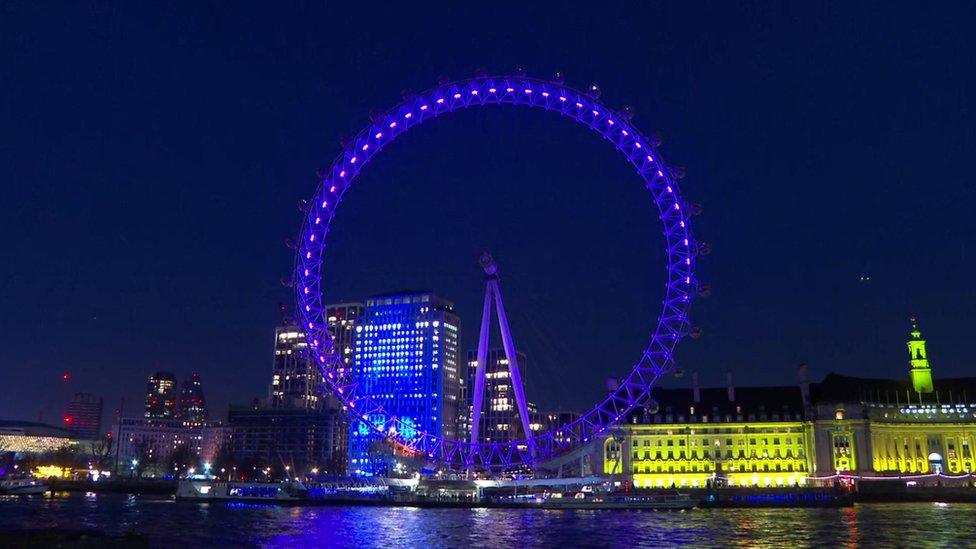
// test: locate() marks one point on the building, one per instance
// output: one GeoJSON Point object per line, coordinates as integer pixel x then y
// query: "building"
{"type": "Point", "coordinates": [342, 321]}
{"type": "Point", "coordinates": [161, 395]}
{"type": "Point", "coordinates": [213, 437]}
{"type": "Point", "coordinates": [769, 436]}
{"type": "Point", "coordinates": [297, 384]}
{"type": "Point", "coordinates": [406, 358]}
{"type": "Point", "coordinates": [193, 405]}
{"type": "Point", "coordinates": [83, 416]}
{"type": "Point", "coordinates": [746, 436]}
{"type": "Point", "coordinates": [295, 380]}
{"type": "Point", "coordinates": [301, 441]}
{"type": "Point", "coordinates": [500, 420]}
{"type": "Point", "coordinates": [149, 442]}
{"type": "Point", "coordinates": [27, 438]}
{"type": "Point", "coordinates": [555, 421]}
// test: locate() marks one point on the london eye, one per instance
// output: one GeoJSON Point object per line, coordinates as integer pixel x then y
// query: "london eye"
{"type": "Point", "coordinates": [519, 91]}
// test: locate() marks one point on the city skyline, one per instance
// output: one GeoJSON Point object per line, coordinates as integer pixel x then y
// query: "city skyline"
{"type": "Point", "coordinates": [764, 159]}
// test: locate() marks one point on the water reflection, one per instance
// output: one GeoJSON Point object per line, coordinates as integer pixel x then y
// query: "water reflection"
{"type": "Point", "coordinates": [168, 523]}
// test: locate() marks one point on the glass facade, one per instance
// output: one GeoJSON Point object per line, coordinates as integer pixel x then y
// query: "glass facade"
{"type": "Point", "coordinates": [406, 358]}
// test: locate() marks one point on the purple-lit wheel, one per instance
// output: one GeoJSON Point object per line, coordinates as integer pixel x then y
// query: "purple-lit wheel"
{"type": "Point", "coordinates": [519, 91]}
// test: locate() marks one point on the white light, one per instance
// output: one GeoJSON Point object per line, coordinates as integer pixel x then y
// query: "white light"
{"type": "Point", "coordinates": [379, 134]}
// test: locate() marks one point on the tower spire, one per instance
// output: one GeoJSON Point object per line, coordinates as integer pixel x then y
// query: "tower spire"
{"type": "Point", "coordinates": [921, 373]}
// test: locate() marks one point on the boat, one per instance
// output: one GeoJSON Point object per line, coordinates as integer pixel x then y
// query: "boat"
{"type": "Point", "coordinates": [210, 490]}
{"type": "Point", "coordinates": [22, 486]}
{"type": "Point", "coordinates": [652, 501]}
{"type": "Point", "coordinates": [778, 498]}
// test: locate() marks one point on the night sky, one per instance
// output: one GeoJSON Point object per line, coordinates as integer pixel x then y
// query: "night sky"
{"type": "Point", "coordinates": [152, 156]}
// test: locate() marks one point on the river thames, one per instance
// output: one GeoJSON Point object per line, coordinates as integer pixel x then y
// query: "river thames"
{"type": "Point", "coordinates": [168, 523]}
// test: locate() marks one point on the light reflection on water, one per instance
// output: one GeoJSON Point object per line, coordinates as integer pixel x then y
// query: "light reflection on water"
{"type": "Point", "coordinates": [168, 523]}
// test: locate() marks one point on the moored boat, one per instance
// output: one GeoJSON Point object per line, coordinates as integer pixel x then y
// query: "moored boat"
{"type": "Point", "coordinates": [651, 501]}
{"type": "Point", "coordinates": [210, 490]}
{"type": "Point", "coordinates": [22, 486]}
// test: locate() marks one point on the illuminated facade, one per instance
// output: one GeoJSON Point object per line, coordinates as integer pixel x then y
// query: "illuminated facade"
{"type": "Point", "coordinates": [746, 436]}
{"type": "Point", "coordinates": [29, 438]}
{"type": "Point", "coordinates": [406, 358]}
{"type": "Point", "coordinates": [769, 436]}
{"type": "Point", "coordinates": [161, 395]}
{"type": "Point", "coordinates": [921, 372]}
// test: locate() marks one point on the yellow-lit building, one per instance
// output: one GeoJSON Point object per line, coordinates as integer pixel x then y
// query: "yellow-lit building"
{"type": "Point", "coordinates": [30, 438]}
{"type": "Point", "coordinates": [736, 436]}
{"type": "Point", "coordinates": [783, 436]}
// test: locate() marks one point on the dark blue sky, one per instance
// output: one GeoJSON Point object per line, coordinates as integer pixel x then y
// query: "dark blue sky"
{"type": "Point", "coordinates": [152, 155]}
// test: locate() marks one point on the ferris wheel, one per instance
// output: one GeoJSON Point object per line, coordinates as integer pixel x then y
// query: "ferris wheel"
{"type": "Point", "coordinates": [519, 91]}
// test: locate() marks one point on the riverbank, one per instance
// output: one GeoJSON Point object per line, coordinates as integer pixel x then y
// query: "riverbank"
{"type": "Point", "coordinates": [875, 492]}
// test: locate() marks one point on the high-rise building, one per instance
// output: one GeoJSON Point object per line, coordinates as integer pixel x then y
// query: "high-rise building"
{"type": "Point", "coordinates": [193, 405]}
{"type": "Point", "coordinates": [406, 357]}
{"type": "Point", "coordinates": [342, 319]}
{"type": "Point", "coordinates": [295, 380]}
{"type": "Point", "coordinates": [500, 420]}
{"type": "Point", "coordinates": [83, 416]}
{"type": "Point", "coordinates": [161, 395]}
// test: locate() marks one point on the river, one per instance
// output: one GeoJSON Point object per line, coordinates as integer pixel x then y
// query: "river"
{"type": "Point", "coordinates": [168, 523]}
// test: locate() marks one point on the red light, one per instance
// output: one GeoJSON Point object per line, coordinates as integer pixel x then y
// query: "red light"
{"type": "Point", "coordinates": [67, 419]}
{"type": "Point", "coordinates": [65, 376]}
{"type": "Point", "coordinates": [108, 434]}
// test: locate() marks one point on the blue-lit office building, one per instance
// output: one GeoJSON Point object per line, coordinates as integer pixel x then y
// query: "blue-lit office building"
{"type": "Point", "coordinates": [406, 357]}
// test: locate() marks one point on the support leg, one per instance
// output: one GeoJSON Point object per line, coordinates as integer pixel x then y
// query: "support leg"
{"type": "Point", "coordinates": [513, 366]}
{"type": "Point", "coordinates": [482, 365]}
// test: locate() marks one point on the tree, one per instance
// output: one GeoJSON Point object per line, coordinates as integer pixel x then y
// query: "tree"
{"type": "Point", "coordinates": [144, 457]}
{"type": "Point", "coordinates": [181, 458]}
{"type": "Point", "coordinates": [100, 453]}
{"type": "Point", "coordinates": [66, 456]}
{"type": "Point", "coordinates": [225, 458]}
